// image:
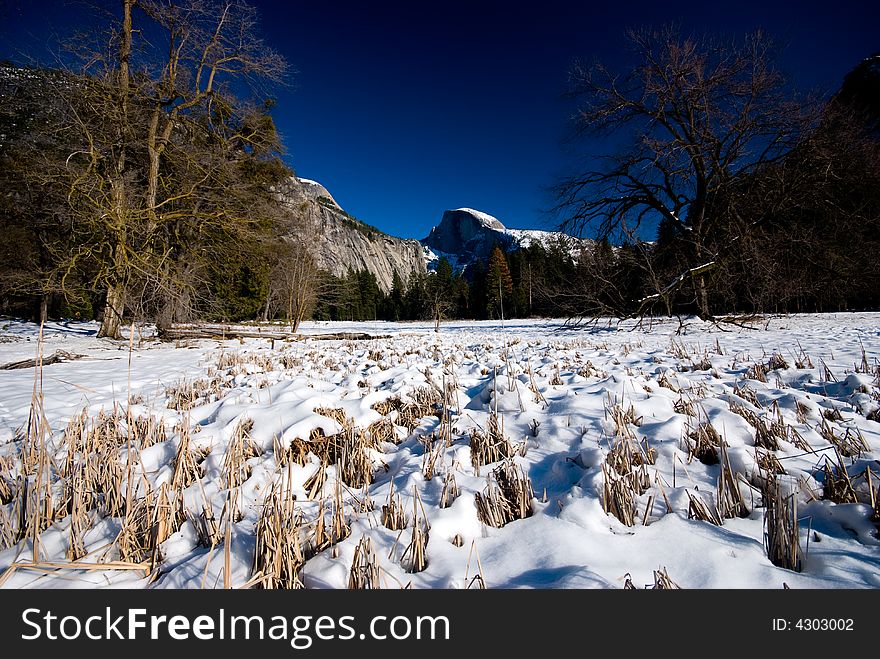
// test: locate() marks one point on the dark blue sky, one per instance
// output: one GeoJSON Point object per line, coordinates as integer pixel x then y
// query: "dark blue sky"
{"type": "Point", "coordinates": [404, 110]}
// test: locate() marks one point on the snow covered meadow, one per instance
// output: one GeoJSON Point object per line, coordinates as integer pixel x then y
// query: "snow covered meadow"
{"type": "Point", "coordinates": [506, 455]}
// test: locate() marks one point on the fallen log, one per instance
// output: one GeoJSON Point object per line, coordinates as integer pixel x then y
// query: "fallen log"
{"type": "Point", "coordinates": [223, 333]}
{"type": "Point", "coordinates": [57, 357]}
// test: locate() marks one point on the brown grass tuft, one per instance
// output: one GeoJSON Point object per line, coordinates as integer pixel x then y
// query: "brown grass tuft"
{"type": "Point", "coordinates": [506, 499]}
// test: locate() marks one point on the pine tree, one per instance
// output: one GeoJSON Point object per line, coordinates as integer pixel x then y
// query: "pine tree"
{"type": "Point", "coordinates": [499, 283]}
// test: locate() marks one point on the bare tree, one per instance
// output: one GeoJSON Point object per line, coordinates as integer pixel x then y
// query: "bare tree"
{"type": "Point", "coordinates": [690, 117]}
{"type": "Point", "coordinates": [151, 108]}
{"type": "Point", "coordinates": [295, 281]}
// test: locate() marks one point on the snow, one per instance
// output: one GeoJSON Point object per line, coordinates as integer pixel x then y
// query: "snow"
{"type": "Point", "coordinates": [553, 387]}
{"type": "Point", "coordinates": [485, 219]}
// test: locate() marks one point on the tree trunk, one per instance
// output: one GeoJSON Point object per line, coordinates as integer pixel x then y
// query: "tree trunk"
{"type": "Point", "coordinates": [703, 298]}
{"type": "Point", "coordinates": [112, 320]}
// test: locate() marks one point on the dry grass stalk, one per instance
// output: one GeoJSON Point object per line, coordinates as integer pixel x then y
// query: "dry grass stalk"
{"type": "Point", "coordinates": [364, 573]}
{"type": "Point", "coordinates": [851, 445]}
{"type": "Point", "coordinates": [394, 515]}
{"type": "Point", "coordinates": [781, 531]}
{"type": "Point", "coordinates": [618, 496]}
{"type": "Point", "coordinates": [703, 444]}
{"type": "Point", "coordinates": [506, 499]}
{"type": "Point", "coordinates": [662, 581]}
{"type": "Point", "coordinates": [186, 467]}
{"type": "Point", "coordinates": [757, 372]}
{"type": "Point", "coordinates": [747, 395]}
{"type": "Point", "coordinates": [699, 509]}
{"type": "Point", "coordinates": [478, 579]}
{"type": "Point", "coordinates": [185, 395]}
{"type": "Point", "coordinates": [206, 525]}
{"type": "Point", "coordinates": [666, 383]}
{"type": "Point", "coordinates": [414, 557]}
{"type": "Point", "coordinates": [241, 448]}
{"type": "Point", "coordinates": [8, 484]}
{"type": "Point", "coordinates": [623, 418]}
{"type": "Point", "coordinates": [279, 556]}
{"type": "Point", "coordinates": [382, 431]}
{"type": "Point", "coordinates": [767, 434]}
{"type": "Point", "coordinates": [146, 430]}
{"type": "Point", "coordinates": [685, 405]}
{"type": "Point", "coordinates": [837, 485]}
{"type": "Point", "coordinates": [450, 490]}
{"type": "Point", "coordinates": [768, 461]}
{"type": "Point", "coordinates": [492, 445]}
{"type": "Point", "coordinates": [339, 525]}
{"type": "Point", "coordinates": [148, 522]}
{"type": "Point", "coordinates": [314, 484]}
{"type": "Point", "coordinates": [8, 533]}
{"type": "Point", "coordinates": [79, 522]}
{"type": "Point", "coordinates": [776, 362]}
{"type": "Point", "coordinates": [728, 497]}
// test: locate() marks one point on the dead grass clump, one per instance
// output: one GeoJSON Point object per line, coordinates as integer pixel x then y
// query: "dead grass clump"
{"type": "Point", "coordinates": [767, 434]}
{"type": "Point", "coordinates": [747, 395]}
{"type": "Point", "coordinates": [335, 413]}
{"type": "Point", "coordinates": [8, 484]}
{"type": "Point", "coordinates": [492, 445]}
{"type": "Point", "coordinates": [729, 500]}
{"type": "Point", "coordinates": [146, 430]}
{"type": "Point", "coordinates": [623, 418]}
{"type": "Point", "coordinates": [450, 490]}
{"type": "Point", "coordinates": [414, 558]}
{"type": "Point", "coordinates": [663, 582]}
{"type": "Point", "coordinates": [185, 395]}
{"type": "Point", "coordinates": [588, 370]}
{"type": "Point", "coordinates": [704, 364]}
{"type": "Point", "coordinates": [241, 448]}
{"type": "Point", "coordinates": [701, 510]}
{"type": "Point", "coordinates": [757, 372]}
{"type": "Point", "coordinates": [837, 486]}
{"type": "Point", "coordinates": [776, 362]}
{"type": "Point", "coordinates": [364, 573]}
{"type": "Point", "coordinates": [348, 450]}
{"type": "Point", "coordinates": [851, 445]}
{"type": "Point", "coordinates": [326, 535]}
{"type": "Point", "coordinates": [619, 496]}
{"type": "Point", "coordinates": [666, 383]}
{"type": "Point", "coordinates": [279, 556]}
{"type": "Point", "coordinates": [149, 522]}
{"type": "Point", "coordinates": [703, 444]}
{"type": "Point", "coordinates": [507, 497]}
{"type": "Point", "coordinates": [382, 431]}
{"type": "Point", "coordinates": [781, 531]}
{"type": "Point", "coordinates": [685, 405]}
{"type": "Point", "coordinates": [186, 467]}
{"type": "Point", "coordinates": [394, 515]}
{"type": "Point", "coordinates": [626, 477]}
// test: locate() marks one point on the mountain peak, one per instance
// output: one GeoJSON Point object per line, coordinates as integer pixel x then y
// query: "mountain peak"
{"type": "Point", "coordinates": [488, 221]}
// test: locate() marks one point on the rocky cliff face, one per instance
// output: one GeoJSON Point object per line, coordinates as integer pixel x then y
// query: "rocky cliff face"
{"type": "Point", "coordinates": [342, 242]}
{"type": "Point", "coordinates": [468, 235]}
{"type": "Point", "coordinates": [465, 236]}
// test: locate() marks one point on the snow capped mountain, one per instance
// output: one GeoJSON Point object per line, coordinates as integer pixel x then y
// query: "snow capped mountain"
{"type": "Point", "coordinates": [465, 236]}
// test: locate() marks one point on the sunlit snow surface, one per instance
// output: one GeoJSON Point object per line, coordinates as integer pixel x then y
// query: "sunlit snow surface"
{"type": "Point", "coordinates": [551, 386]}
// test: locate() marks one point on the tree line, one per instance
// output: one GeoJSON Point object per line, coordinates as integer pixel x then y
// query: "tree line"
{"type": "Point", "coordinates": [138, 182]}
